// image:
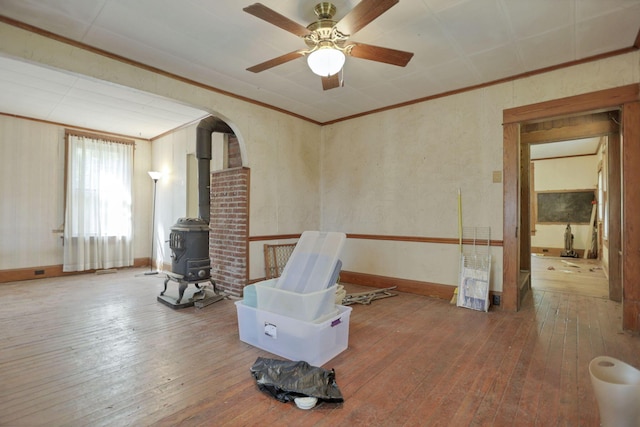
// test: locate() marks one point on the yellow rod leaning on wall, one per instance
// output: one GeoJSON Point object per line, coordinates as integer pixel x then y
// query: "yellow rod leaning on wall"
{"type": "Point", "coordinates": [460, 219]}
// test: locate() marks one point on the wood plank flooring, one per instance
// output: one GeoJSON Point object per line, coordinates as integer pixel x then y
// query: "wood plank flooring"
{"type": "Point", "coordinates": [575, 275]}
{"type": "Point", "coordinates": [99, 350]}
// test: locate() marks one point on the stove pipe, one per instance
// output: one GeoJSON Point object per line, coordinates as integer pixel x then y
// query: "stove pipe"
{"type": "Point", "coordinates": [203, 153]}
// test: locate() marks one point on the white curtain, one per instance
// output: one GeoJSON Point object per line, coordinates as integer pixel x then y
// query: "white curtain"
{"type": "Point", "coordinates": [98, 215]}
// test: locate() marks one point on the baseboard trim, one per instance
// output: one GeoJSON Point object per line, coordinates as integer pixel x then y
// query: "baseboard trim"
{"type": "Point", "coordinates": [402, 285]}
{"type": "Point", "coordinates": [428, 289]}
{"type": "Point", "coordinates": [43, 272]}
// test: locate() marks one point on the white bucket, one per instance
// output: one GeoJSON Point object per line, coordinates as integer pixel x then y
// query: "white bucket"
{"type": "Point", "coordinates": [617, 389]}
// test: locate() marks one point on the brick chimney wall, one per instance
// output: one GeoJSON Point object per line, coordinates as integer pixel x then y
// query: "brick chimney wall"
{"type": "Point", "coordinates": [233, 152]}
{"type": "Point", "coordinates": [229, 229]}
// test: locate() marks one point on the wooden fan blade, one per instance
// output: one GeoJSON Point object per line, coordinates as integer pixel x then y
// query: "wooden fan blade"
{"type": "Point", "coordinates": [331, 82]}
{"type": "Point", "coordinates": [277, 61]}
{"type": "Point", "coordinates": [263, 12]}
{"type": "Point", "coordinates": [364, 12]}
{"type": "Point", "coordinates": [381, 54]}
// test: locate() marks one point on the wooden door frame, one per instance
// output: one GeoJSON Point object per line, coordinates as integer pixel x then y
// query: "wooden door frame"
{"type": "Point", "coordinates": [626, 98]}
{"type": "Point", "coordinates": [614, 203]}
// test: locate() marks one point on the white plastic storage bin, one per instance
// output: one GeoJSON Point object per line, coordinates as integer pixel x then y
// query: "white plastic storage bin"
{"type": "Point", "coordinates": [312, 262]}
{"type": "Point", "coordinates": [309, 307]}
{"type": "Point", "coordinates": [315, 343]}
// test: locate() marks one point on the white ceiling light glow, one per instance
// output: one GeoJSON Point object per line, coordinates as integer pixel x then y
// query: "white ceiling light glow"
{"type": "Point", "coordinates": [326, 61]}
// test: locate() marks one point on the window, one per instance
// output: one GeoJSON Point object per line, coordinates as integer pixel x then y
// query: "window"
{"type": "Point", "coordinates": [98, 207]}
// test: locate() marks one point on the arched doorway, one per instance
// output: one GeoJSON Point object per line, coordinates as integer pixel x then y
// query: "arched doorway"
{"type": "Point", "coordinates": [223, 202]}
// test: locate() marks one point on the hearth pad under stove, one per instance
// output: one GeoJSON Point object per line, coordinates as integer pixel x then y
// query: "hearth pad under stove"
{"type": "Point", "coordinates": [202, 294]}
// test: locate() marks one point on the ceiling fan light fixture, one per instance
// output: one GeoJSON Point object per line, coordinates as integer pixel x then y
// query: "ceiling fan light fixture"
{"type": "Point", "coordinates": [326, 61]}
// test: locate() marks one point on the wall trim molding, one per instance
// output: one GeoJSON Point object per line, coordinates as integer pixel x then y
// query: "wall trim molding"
{"type": "Point", "coordinates": [417, 287]}
{"type": "Point", "coordinates": [84, 46]}
{"type": "Point", "coordinates": [106, 54]}
{"type": "Point", "coordinates": [28, 273]}
{"type": "Point", "coordinates": [612, 98]}
{"type": "Point", "coordinates": [434, 290]}
{"type": "Point", "coordinates": [394, 238]}
{"type": "Point", "coordinates": [72, 128]}
{"type": "Point", "coordinates": [427, 289]}
{"type": "Point", "coordinates": [274, 237]}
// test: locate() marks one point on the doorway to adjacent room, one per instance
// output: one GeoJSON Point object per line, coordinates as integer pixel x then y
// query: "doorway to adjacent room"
{"type": "Point", "coordinates": [623, 201]}
{"type": "Point", "coordinates": [568, 201]}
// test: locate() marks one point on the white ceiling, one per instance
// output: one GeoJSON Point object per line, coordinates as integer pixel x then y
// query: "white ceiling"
{"type": "Point", "coordinates": [576, 147]}
{"type": "Point", "coordinates": [457, 44]}
{"type": "Point", "coordinates": [29, 90]}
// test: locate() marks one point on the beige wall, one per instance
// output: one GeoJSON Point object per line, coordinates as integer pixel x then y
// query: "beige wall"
{"type": "Point", "coordinates": [398, 173]}
{"type": "Point", "coordinates": [283, 193]}
{"type": "Point", "coordinates": [32, 194]}
{"type": "Point", "coordinates": [395, 172]}
{"type": "Point", "coordinates": [282, 151]}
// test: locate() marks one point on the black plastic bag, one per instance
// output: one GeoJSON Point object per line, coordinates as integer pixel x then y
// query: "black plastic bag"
{"type": "Point", "coordinates": [285, 380]}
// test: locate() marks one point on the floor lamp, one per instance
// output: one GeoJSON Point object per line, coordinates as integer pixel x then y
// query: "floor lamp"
{"type": "Point", "coordinates": [155, 176]}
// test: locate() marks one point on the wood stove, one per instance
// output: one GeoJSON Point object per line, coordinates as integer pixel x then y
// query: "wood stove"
{"type": "Point", "coordinates": [189, 244]}
{"type": "Point", "coordinates": [190, 264]}
{"type": "Point", "coordinates": [189, 238]}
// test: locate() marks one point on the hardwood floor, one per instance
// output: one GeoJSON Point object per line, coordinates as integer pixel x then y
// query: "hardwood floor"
{"type": "Point", "coordinates": [99, 350]}
{"type": "Point", "coordinates": [575, 275]}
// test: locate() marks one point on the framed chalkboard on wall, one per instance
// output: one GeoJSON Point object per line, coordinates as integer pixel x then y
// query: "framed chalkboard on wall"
{"type": "Point", "coordinates": [562, 207]}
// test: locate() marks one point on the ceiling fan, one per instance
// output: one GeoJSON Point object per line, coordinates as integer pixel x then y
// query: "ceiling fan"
{"type": "Point", "coordinates": [328, 41]}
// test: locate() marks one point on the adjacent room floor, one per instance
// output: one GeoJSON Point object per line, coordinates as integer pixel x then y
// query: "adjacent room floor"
{"type": "Point", "coordinates": [574, 275]}
{"type": "Point", "coordinates": [100, 350]}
